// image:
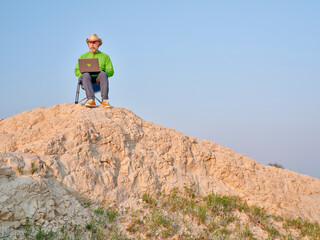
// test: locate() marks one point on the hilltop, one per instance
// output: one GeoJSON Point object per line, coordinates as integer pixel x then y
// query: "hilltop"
{"type": "Point", "coordinates": [54, 160]}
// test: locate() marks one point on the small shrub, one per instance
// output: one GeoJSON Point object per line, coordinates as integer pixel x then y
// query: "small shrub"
{"type": "Point", "coordinates": [63, 228]}
{"type": "Point", "coordinates": [159, 220]}
{"type": "Point", "coordinates": [111, 214]}
{"type": "Point", "coordinates": [257, 214]}
{"type": "Point", "coordinates": [213, 226]}
{"type": "Point", "coordinates": [277, 218]}
{"type": "Point", "coordinates": [165, 233]}
{"type": "Point", "coordinates": [90, 226]}
{"type": "Point", "coordinates": [190, 190]}
{"type": "Point", "coordinates": [86, 204]}
{"type": "Point", "coordinates": [289, 237]}
{"type": "Point", "coordinates": [134, 225]}
{"type": "Point", "coordinates": [277, 165]}
{"type": "Point", "coordinates": [246, 233]}
{"type": "Point", "coordinates": [202, 213]}
{"type": "Point", "coordinates": [273, 232]}
{"type": "Point", "coordinates": [33, 169]}
{"type": "Point", "coordinates": [50, 235]}
{"type": "Point", "coordinates": [222, 232]}
{"type": "Point", "coordinates": [40, 234]}
{"type": "Point", "coordinates": [220, 204]}
{"type": "Point", "coordinates": [28, 228]}
{"type": "Point", "coordinates": [174, 193]}
{"type": "Point", "coordinates": [226, 219]}
{"type": "Point", "coordinates": [132, 228]}
{"type": "Point", "coordinates": [147, 198]}
{"type": "Point", "coordinates": [99, 211]}
{"type": "Point", "coordinates": [20, 170]}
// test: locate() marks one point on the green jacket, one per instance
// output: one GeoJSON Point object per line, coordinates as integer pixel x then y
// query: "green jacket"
{"type": "Point", "coordinates": [105, 63]}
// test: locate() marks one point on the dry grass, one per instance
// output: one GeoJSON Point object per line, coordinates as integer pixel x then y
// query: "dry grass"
{"type": "Point", "coordinates": [182, 215]}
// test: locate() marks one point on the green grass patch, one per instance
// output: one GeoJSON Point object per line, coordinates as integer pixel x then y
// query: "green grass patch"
{"type": "Point", "coordinates": [181, 215]}
{"type": "Point", "coordinates": [305, 228]}
{"type": "Point", "coordinates": [147, 198]}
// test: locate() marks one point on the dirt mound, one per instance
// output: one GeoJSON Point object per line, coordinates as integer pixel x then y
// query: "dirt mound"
{"type": "Point", "coordinates": [52, 159]}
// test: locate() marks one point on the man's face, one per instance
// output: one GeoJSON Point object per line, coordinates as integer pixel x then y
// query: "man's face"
{"type": "Point", "coordinates": [93, 46]}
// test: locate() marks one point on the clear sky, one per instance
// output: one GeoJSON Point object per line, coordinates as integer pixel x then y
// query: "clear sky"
{"type": "Point", "coordinates": [244, 74]}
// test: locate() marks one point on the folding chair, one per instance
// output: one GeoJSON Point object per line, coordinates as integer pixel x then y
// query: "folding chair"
{"type": "Point", "coordinates": [96, 89]}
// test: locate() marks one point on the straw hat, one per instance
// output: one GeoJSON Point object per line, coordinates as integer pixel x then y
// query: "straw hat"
{"type": "Point", "coordinates": [94, 37]}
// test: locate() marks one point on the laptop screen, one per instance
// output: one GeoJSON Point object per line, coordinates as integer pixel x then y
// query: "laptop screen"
{"type": "Point", "coordinates": [90, 65]}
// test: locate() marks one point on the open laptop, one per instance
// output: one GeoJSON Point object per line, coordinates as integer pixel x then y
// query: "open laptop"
{"type": "Point", "coordinates": [90, 65]}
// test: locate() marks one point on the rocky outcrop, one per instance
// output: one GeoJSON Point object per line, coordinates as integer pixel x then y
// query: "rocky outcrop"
{"type": "Point", "coordinates": [52, 159]}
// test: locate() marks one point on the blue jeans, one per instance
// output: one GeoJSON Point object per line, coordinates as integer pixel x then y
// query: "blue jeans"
{"type": "Point", "coordinates": [102, 79]}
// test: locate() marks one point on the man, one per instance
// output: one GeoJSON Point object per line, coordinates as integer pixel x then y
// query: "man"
{"type": "Point", "coordinates": [106, 71]}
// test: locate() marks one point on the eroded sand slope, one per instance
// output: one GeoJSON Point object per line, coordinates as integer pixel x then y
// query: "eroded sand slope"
{"type": "Point", "coordinates": [51, 159]}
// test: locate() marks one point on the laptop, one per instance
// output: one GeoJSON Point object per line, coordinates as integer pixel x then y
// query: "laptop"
{"type": "Point", "coordinates": [90, 65]}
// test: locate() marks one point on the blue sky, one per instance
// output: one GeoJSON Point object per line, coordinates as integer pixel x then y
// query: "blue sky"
{"type": "Point", "coordinates": [244, 74]}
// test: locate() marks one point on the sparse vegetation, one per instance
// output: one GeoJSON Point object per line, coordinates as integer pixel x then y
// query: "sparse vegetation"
{"type": "Point", "coordinates": [28, 229]}
{"type": "Point", "coordinates": [40, 234]}
{"type": "Point", "coordinates": [305, 228]}
{"type": "Point", "coordinates": [182, 215]}
{"type": "Point", "coordinates": [101, 226]}
{"type": "Point", "coordinates": [244, 232]}
{"type": "Point", "coordinates": [147, 198]}
{"type": "Point", "coordinates": [277, 165]}
{"type": "Point", "coordinates": [111, 214]}
{"type": "Point", "coordinates": [20, 170]}
{"type": "Point", "coordinates": [33, 169]}
{"type": "Point", "coordinates": [86, 204]}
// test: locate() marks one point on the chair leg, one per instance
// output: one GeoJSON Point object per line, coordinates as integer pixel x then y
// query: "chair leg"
{"type": "Point", "coordinates": [98, 99]}
{"type": "Point", "coordinates": [84, 99]}
{"type": "Point", "coordinates": [77, 93]}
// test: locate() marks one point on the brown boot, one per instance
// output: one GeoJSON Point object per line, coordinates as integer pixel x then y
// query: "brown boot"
{"type": "Point", "coordinates": [105, 103]}
{"type": "Point", "coordinates": [91, 103]}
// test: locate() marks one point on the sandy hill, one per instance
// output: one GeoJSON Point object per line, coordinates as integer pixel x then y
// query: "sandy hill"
{"type": "Point", "coordinates": [53, 159]}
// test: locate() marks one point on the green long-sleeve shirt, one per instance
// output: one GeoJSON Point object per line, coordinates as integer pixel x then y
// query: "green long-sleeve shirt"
{"type": "Point", "coordinates": [105, 63]}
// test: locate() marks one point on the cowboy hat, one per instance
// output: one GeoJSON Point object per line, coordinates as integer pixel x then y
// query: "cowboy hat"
{"type": "Point", "coordinates": [94, 37]}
